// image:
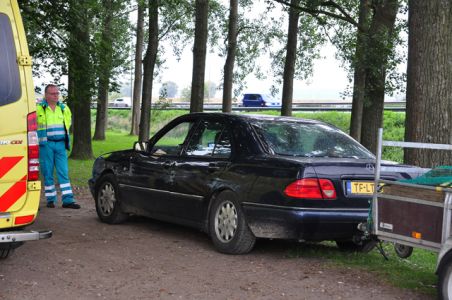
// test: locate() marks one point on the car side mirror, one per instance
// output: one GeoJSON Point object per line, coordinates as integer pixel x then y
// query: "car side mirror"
{"type": "Point", "coordinates": [141, 146]}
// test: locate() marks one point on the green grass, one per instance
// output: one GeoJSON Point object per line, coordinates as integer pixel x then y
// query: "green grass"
{"type": "Point", "coordinates": [416, 272]}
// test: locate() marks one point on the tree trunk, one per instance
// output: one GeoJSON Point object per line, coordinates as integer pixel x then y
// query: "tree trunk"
{"type": "Point", "coordinates": [230, 59]}
{"type": "Point", "coordinates": [429, 77]}
{"type": "Point", "coordinates": [101, 112]}
{"type": "Point", "coordinates": [104, 71]}
{"type": "Point", "coordinates": [79, 50]}
{"type": "Point", "coordinates": [199, 56]}
{"type": "Point", "coordinates": [381, 44]}
{"type": "Point", "coordinates": [291, 57]}
{"type": "Point", "coordinates": [359, 82]}
{"type": "Point", "coordinates": [149, 64]}
{"type": "Point", "coordinates": [138, 71]}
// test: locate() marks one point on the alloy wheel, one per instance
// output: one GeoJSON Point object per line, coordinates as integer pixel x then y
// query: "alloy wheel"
{"type": "Point", "coordinates": [107, 199]}
{"type": "Point", "coordinates": [226, 221]}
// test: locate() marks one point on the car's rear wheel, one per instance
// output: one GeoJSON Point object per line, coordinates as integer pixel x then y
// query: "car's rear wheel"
{"type": "Point", "coordinates": [108, 205]}
{"type": "Point", "coordinates": [227, 225]}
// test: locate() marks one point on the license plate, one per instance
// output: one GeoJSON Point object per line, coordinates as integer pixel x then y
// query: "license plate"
{"type": "Point", "coordinates": [360, 188]}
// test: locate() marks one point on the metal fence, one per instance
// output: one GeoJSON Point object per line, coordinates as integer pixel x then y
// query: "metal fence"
{"type": "Point", "coordinates": [310, 107]}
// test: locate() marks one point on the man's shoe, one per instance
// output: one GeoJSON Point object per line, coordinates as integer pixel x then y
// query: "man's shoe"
{"type": "Point", "coordinates": [50, 205]}
{"type": "Point", "coordinates": [71, 205]}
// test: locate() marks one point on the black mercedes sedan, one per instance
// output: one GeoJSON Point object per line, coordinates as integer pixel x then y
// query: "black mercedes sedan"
{"type": "Point", "coordinates": [242, 177]}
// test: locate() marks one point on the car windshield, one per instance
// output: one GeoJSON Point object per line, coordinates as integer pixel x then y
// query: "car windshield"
{"type": "Point", "coordinates": [291, 138]}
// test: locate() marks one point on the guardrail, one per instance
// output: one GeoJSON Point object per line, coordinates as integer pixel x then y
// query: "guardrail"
{"type": "Point", "coordinates": [326, 106]}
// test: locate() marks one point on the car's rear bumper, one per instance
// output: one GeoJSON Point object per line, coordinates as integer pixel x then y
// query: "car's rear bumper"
{"type": "Point", "coordinates": [23, 236]}
{"type": "Point", "coordinates": [279, 222]}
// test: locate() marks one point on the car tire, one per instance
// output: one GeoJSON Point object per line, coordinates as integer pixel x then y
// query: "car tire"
{"type": "Point", "coordinates": [228, 228]}
{"type": "Point", "coordinates": [403, 251]}
{"type": "Point", "coordinates": [108, 204]}
{"type": "Point", "coordinates": [445, 278]}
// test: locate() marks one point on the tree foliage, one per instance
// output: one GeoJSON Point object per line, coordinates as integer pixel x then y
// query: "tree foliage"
{"type": "Point", "coordinates": [70, 43]}
{"type": "Point", "coordinates": [168, 89]}
{"type": "Point", "coordinates": [111, 54]}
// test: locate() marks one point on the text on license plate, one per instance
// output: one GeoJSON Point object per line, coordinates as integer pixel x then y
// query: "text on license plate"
{"type": "Point", "coordinates": [360, 187]}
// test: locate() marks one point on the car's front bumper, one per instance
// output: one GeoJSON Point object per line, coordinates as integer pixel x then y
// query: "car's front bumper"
{"type": "Point", "coordinates": [279, 222]}
{"type": "Point", "coordinates": [91, 184]}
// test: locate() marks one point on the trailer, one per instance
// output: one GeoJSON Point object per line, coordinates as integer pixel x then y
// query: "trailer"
{"type": "Point", "coordinates": [414, 215]}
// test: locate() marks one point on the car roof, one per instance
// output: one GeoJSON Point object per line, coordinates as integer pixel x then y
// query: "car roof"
{"type": "Point", "coordinates": [251, 117]}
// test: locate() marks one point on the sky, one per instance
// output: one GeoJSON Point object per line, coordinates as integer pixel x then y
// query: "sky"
{"type": "Point", "coordinates": [329, 80]}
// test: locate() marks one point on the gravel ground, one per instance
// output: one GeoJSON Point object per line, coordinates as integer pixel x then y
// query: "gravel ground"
{"type": "Point", "coordinates": [147, 259]}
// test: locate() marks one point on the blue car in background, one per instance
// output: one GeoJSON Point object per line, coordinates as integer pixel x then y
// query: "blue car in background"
{"type": "Point", "coordinates": [259, 100]}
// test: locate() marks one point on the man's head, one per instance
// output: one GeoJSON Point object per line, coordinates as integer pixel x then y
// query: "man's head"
{"type": "Point", "coordinates": [51, 93]}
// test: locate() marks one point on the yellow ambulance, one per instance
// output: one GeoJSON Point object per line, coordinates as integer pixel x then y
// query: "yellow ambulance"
{"type": "Point", "coordinates": [19, 149]}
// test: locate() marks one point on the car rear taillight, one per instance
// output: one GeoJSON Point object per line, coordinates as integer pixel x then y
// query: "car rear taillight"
{"type": "Point", "coordinates": [311, 188]}
{"type": "Point", "coordinates": [327, 188]}
{"type": "Point", "coordinates": [33, 147]}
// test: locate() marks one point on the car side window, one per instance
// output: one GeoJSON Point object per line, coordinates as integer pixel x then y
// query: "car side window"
{"type": "Point", "coordinates": [223, 144]}
{"type": "Point", "coordinates": [9, 75]}
{"type": "Point", "coordinates": [172, 142]}
{"type": "Point", "coordinates": [211, 139]}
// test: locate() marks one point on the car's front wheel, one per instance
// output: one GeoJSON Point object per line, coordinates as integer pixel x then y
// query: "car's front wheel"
{"type": "Point", "coordinates": [227, 225]}
{"type": "Point", "coordinates": [107, 199]}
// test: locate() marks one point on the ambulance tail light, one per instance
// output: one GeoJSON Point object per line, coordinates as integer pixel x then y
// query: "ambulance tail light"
{"type": "Point", "coordinates": [33, 147]}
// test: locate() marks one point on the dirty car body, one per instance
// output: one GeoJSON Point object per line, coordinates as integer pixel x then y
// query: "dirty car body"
{"type": "Point", "coordinates": [254, 176]}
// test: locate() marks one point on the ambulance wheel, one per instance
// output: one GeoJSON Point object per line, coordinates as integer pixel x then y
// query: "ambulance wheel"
{"type": "Point", "coordinates": [4, 253]}
{"type": "Point", "coordinates": [108, 201]}
{"type": "Point", "coordinates": [6, 249]}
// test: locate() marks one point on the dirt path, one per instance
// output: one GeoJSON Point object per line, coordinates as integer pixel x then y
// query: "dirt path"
{"type": "Point", "coordinates": [146, 259]}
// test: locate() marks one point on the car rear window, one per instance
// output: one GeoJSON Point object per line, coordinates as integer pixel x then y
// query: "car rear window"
{"type": "Point", "coordinates": [9, 74]}
{"type": "Point", "coordinates": [309, 140]}
{"type": "Point", "coordinates": [251, 97]}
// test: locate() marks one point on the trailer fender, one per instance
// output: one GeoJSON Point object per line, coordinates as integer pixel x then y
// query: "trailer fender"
{"type": "Point", "coordinates": [444, 254]}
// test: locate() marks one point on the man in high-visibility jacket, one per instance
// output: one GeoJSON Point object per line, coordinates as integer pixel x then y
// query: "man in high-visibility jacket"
{"type": "Point", "coordinates": [54, 120]}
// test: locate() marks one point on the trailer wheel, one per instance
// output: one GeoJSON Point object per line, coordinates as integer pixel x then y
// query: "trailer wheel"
{"type": "Point", "coordinates": [403, 251]}
{"type": "Point", "coordinates": [445, 279]}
